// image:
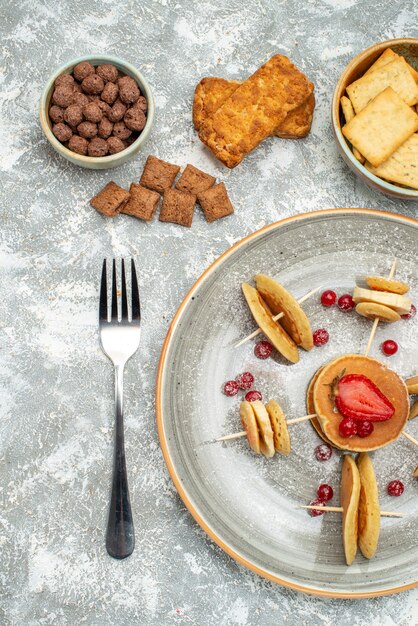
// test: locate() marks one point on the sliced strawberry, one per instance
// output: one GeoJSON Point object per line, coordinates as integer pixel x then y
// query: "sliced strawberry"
{"type": "Point", "coordinates": [359, 398]}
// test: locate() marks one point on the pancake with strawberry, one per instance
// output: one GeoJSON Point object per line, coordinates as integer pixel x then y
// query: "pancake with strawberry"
{"type": "Point", "coordinates": [361, 404]}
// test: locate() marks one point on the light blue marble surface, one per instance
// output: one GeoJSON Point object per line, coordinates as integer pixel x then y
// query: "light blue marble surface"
{"type": "Point", "coordinates": [56, 402]}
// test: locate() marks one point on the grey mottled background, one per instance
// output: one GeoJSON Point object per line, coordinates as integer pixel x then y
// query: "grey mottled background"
{"type": "Point", "coordinates": [56, 404]}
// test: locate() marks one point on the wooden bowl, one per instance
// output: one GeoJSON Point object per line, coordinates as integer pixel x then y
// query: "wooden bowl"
{"type": "Point", "coordinates": [407, 47]}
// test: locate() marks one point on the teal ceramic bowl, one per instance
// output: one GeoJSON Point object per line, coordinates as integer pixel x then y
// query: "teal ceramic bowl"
{"type": "Point", "coordinates": [113, 160]}
{"type": "Point", "coordinates": [407, 47]}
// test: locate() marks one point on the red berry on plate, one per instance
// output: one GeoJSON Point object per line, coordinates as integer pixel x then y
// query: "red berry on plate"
{"type": "Point", "coordinates": [325, 492]}
{"type": "Point", "coordinates": [263, 349]}
{"type": "Point", "coordinates": [412, 313]}
{"type": "Point", "coordinates": [389, 347]}
{"type": "Point", "coordinates": [316, 512]}
{"type": "Point", "coordinates": [346, 302]}
{"type": "Point", "coordinates": [245, 380]}
{"type": "Point", "coordinates": [323, 452]}
{"type": "Point", "coordinates": [252, 396]}
{"type": "Point", "coordinates": [328, 298]}
{"type": "Point", "coordinates": [364, 428]}
{"type": "Point", "coordinates": [348, 427]}
{"type": "Point", "coordinates": [320, 337]}
{"type": "Point", "coordinates": [358, 398]}
{"type": "Point", "coordinates": [395, 488]}
{"type": "Point", "coordinates": [231, 388]}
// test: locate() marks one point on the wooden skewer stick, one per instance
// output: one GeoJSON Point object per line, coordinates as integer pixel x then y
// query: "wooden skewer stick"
{"type": "Point", "coordinates": [339, 509]}
{"type": "Point", "coordinates": [410, 438]}
{"type": "Point", "coordinates": [243, 433]}
{"type": "Point", "coordinates": [377, 320]}
{"type": "Point", "coordinates": [275, 318]}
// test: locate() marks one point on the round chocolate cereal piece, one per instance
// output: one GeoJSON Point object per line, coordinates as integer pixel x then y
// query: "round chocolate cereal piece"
{"type": "Point", "coordinates": [93, 97]}
{"type": "Point", "coordinates": [110, 93]}
{"type": "Point", "coordinates": [104, 107]}
{"type": "Point", "coordinates": [142, 103]}
{"type": "Point", "coordinates": [63, 96]}
{"type": "Point", "coordinates": [108, 72]}
{"type": "Point", "coordinates": [135, 119]}
{"type": "Point", "coordinates": [105, 128]}
{"type": "Point", "coordinates": [82, 70]}
{"type": "Point", "coordinates": [121, 130]}
{"type": "Point", "coordinates": [88, 130]}
{"type": "Point", "coordinates": [78, 144]}
{"type": "Point", "coordinates": [117, 111]}
{"type": "Point", "coordinates": [73, 115]}
{"type": "Point", "coordinates": [56, 114]}
{"type": "Point", "coordinates": [92, 84]}
{"type": "Point", "coordinates": [97, 147]}
{"type": "Point", "coordinates": [92, 112]}
{"type": "Point", "coordinates": [80, 99]}
{"type": "Point", "coordinates": [64, 80]}
{"type": "Point", "coordinates": [115, 145]}
{"type": "Point", "coordinates": [128, 90]}
{"type": "Point", "coordinates": [62, 132]}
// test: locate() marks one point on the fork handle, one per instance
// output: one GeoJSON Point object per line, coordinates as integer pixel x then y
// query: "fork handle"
{"type": "Point", "coordinates": [120, 536]}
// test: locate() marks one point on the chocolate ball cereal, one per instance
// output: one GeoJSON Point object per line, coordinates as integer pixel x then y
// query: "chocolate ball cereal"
{"type": "Point", "coordinates": [56, 114]}
{"type": "Point", "coordinates": [121, 131]}
{"type": "Point", "coordinates": [80, 99]}
{"type": "Point", "coordinates": [78, 144]}
{"type": "Point", "coordinates": [92, 112]}
{"type": "Point", "coordinates": [65, 80]}
{"type": "Point", "coordinates": [142, 104]}
{"type": "Point", "coordinates": [128, 90]}
{"type": "Point", "coordinates": [110, 93]}
{"type": "Point", "coordinates": [97, 147]}
{"type": "Point", "coordinates": [108, 72]}
{"type": "Point", "coordinates": [73, 115]}
{"type": "Point", "coordinates": [105, 128]}
{"type": "Point", "coordinates": [92, 84]}
{"type": "Point", "coordinates": [115, 145]}
{"type": "Point", "coordinates": [88, 130]}
{"type": "Point", "coordinates": [62, 132]}
{"type": "Point", "coordinates": [63, 96]}
{"type": "Point", "coordinates": [117, 111]}
{"type": "Point", "coordinates": [135, 119]}
{"type": "Point", "coordinates": [82, 70]}
{"type": "Point", "coordinates": [104, 107]}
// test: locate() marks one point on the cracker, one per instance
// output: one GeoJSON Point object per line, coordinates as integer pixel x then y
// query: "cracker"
{"type": "Point", "coordinates": [215, 203]}
{"type": "Point", "coordinates": [386, 57]}
{"type": "Point", "coordinates": [381, 127]}
{"type": "Point", "coordinates": [254, 110]}
{"type": "Point", "coordinates": [110, 200]}
{"type": "Point", "coordinates": [349, 114]}
{"type": "Point", "coordinates": [194, 181]}
{"type": "Point", "coordinates": [177, 207]}
{"type": "Point", "coordinates": [212, 92]}
{"type": "Point", "coordinates": [394, 74]}
{"type": "Point", "coordinates": [142, 202]}
{"type": "Point", "coordinates": [158, 175]}
{"type": "Point", "coordinates": [402, 166]}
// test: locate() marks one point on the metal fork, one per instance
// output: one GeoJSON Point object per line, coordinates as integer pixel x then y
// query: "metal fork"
{"type": "Point", "coordinates": [120, 340]}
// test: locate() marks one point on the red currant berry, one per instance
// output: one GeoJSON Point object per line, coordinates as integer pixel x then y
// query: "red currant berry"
{"type": "Point", "coordinates": [245, 380]}
{"type": "Point", "coordinates": [323, 452]}
{"type": "Point", "coordinates": [364, 428]}
{"type": "Point", "coordinates": [263, 349]}
{"type": "Point", "coordinates": [395, 488]}
{"type": "Point", "coordinates": [252, 396]}
{"type": "Point", "coordinates": [320, 337]}
{"type": "Point", "coordinates": [231, 388]}
{"type": "Point", "coordinates": [316, 512]}
{"type": "Point", "coordinates": [412, 313]}
{"type": "Point", "coordinates": [346, 302]}
{"type": "Point", "coordinates": [389, 347]}
{"type": "Point", "coordinates": [328, 298]}
{"type": "Point", "coordinates": [348, 427]}
{"type": "Point", "coordinates": [325, 492]}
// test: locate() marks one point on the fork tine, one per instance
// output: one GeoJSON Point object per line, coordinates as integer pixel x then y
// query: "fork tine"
{"type": "Point", "coordinates": [136, 309]}
{"type": "Point", "coordinates": [114, 317]}
{"type": "Point", "coordinates": [124, 294]}
{"type": "Point", "coordinates": [103, 294]}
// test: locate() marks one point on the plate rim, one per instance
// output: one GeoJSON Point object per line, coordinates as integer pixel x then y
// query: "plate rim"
{"type": "Point", "coordinates": [187, 501]}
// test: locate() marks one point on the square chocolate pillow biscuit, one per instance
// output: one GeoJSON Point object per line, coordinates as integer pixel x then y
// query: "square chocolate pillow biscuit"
{"type": "Point", "coordinates": [215, 203]}
{"type": "Point", "coordinates": [194, 181]}
{"type": "Point", "coordinates": [158, 175]}
{"type": "Point", "coordinates": [177, 207]}
{"type": "Point", "coordinates": [142, 203]}
{"type": "Point", "coordinates": [110, 200]}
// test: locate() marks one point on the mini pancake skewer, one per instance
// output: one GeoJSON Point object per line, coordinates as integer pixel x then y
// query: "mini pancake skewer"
{"type": "Point", "coordinates": [367, 313]}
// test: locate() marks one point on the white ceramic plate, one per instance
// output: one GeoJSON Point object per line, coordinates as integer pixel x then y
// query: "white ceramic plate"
{"type": "Point", "coordinates": [249, 504]}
